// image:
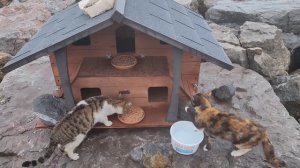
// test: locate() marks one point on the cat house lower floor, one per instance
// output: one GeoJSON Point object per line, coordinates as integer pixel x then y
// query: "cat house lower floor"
{"type": "Point", "coordinates": [154, 117]}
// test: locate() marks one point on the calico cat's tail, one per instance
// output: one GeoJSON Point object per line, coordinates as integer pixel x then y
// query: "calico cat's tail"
{"type": "Point", "coordinates": [269, 152]}
{"type": "Point", "coordinates": [40, 160]}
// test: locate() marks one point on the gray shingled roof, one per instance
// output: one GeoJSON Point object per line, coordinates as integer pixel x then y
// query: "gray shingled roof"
{"type": "Point", "coordinates": [165, 20]}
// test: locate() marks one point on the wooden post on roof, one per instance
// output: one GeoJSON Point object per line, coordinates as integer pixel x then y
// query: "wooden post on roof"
{"type": "Point", "coordinates": [173, 108]}
{"type": "Point", "coordinates": [62, 65]}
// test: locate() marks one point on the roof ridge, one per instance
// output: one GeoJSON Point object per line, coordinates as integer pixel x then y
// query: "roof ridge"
{"type": "Point", "coordinates": [119, 12]}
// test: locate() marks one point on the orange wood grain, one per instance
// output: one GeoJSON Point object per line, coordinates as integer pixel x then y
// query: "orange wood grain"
{"type": "Point", "coordinates": [154, 117]}
{"type": "Point", "coordinates": [189, 68]}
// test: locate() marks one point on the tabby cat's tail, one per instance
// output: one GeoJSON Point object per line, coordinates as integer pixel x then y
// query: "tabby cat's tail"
{"type": "Point", "coordinates": [40, 160]}
{"type": "Point", "coordinates": [269, 152]}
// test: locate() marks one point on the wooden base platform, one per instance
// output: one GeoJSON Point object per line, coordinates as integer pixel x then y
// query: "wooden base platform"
{"type": "Point", "coordinates": [154, 117]}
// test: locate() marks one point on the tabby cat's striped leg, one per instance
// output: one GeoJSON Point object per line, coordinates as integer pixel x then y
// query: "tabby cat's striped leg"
{"type": "Point", "coordinates": [70, 147]}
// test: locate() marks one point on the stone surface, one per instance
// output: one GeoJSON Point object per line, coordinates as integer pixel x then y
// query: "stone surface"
{"type": "Point", "coordinates": [229, 41]}
{"type": "Point", "coordinates": [224, 93]}
{"type": "Point", "coordinates": [287, 89]}
{"type": "Point", "coordinates": [4, 58]}
{"type": "Point", "coordinates": [254, 98]}
{"type": "Point", "coordinates": [4, 3]}
{"type": "Point", "coordinates": [224, 34]}
{"type": "Point", "coordinates": [266, 52]}
{"type": "Point", "coordinates": [236, 54]}
{"type": "Point", "coordinates": [49, 108]}
{"type": "Point", "coordinates": [295, 59]}
{"type": "Point", "coordinates": [53, 6]}
{"type": "Point", "coordinates": [276, 12]}
{"type": "Point", "coordinates": [291, 40]}
{"type": "Point", "coordinates": [19, 22]}
{"type": "Point", "coordinates": [152, 155]}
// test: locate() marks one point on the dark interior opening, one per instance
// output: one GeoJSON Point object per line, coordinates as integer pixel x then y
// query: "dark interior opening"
{"type": "Point", "coordinates": [295, 60]}
{"type": "Point", "coordinates": [158, 94]}
{"type": "Point", "coordinates": [83, 42]}
{"type": "Point", "coordinates": [89, 92]}
{"type": "Point", "coordinates": [125, 39]}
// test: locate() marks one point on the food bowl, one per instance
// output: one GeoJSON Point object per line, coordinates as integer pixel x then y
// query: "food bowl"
{"type": "Point", "coordinates": [185, 137]}
{"type": "Point", "coordinates": [123, 62]}
{"type": "Point", "coordinates": [134, 115]}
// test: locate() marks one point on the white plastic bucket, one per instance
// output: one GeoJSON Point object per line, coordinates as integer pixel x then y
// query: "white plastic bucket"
{"type": "Point", "coordinates": [185, 137]}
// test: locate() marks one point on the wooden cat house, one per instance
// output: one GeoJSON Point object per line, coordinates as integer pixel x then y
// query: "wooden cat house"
{"type": "Point", "coordinates": [167, 39]}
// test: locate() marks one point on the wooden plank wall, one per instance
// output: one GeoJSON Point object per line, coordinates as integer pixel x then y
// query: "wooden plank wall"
{"type": "Point", "coordinates": [103, 43]}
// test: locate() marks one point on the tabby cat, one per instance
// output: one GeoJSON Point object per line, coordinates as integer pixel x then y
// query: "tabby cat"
{"type": "Point", "coordinates": [243, 133]}
{"type": "Point", "coordinates": [73, 128]}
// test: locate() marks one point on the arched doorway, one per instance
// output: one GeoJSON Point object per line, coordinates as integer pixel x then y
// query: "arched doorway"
{"type": "Point", "coordinates": [125, 39]}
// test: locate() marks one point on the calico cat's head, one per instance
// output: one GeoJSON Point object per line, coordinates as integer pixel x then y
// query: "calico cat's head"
{"type": "Point", "coordinates": [199, 98]}
{"type": "Point", "coordinates": [198, 104]}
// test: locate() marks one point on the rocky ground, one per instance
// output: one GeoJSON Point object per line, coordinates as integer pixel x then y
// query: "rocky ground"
{"type": "Point", "coordinates": [261, 35]}
{"type": "Point", "coordinates": [254, 99]}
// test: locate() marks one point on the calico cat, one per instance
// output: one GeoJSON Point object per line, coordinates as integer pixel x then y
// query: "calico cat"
{"type": "Point", "coordinates": [73, 128]}
{"type": "Point", "coordinates": [243, 133]}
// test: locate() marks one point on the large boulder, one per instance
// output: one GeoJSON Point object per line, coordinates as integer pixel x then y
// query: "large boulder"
{"type": "Point", "coordinates": [200, 6]}
{"type": "Point", "coordinates": [266, 51]}
{"type": "Point", "coordinates": [227, 37]}
{"type": "Point", "coordinates": [153, 155]}
{"type": "Point", "coordinates": [287, 89]}
{"type": "Point", "coordinates": [4, 3]}
{"type": "Point", "coordinates": [19, 22]}
{"type": "Point", "coordinates": [254, 98]}
{"type": "Point", "coordinates": [282, 13]}
{"type": "Point", "coordinates": [57, 5]}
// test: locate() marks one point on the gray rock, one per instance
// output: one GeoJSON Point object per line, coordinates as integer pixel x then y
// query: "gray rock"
{"type": "Point", "coordinates": [4, 3]}
{"type": "Point", "coordinates": [230, 43]}
{"type": "Point", "coordinates": [295, 59]}
{"type": "Point", "coordinates": [265, 49]}
{"type": "Point", "coordinates": [200, 6]}
{"type": "Point", "coordinates": [236, 54]}
{"type": "Point", "coordinates": [57, 5]}
{"type": "Point", "coordinates": [296, 72]}
{"type": "Point", "coordinates": [254, 99]}
{"type": "Point", "coordinates": [291, 40]}
{"type": "Point", "coordinates": [53, 6]}
{"type": "Point", "coordinates": [287, 89]}
{"type": "Point", "coordinates": [150, 154]}
{"type": "Point", "coordinates": [276, 12]}
{"type": "Point", "coordinates": [19, 22]}
{"type": "Point", "coordinates": [224, 93]}
{"type": "Point", "coordinates": [49, 108]}
{"type": "Point", "coordinates": [224, 34]}
{"type": "Point", "coordinates": [4, 58]}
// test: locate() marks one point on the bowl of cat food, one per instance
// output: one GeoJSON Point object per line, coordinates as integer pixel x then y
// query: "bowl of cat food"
{"type": "Point", "coordinates": [133, 115]}
{"type": "Point", "coordinates": [185, 137]}
{"type": "Point", "coordinates": [123, 62]}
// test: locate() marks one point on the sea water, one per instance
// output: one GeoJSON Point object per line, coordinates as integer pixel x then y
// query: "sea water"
{"type": "Point", "coordinates": [188, 137]}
